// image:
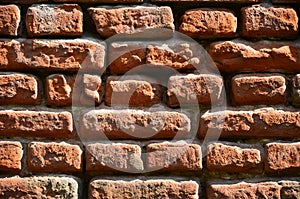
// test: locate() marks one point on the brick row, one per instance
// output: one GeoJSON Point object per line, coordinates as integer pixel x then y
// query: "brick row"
{"type": "Point", "coordinates": [62, 157]}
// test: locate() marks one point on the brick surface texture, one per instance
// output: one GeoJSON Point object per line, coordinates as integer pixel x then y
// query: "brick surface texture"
{"type": "Point", "coordinates": [149, 99]}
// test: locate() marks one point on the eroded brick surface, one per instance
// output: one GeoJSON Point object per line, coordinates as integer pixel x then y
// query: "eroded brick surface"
{"type": "Point", "coordinates": [151, 189]}
{"type": "Point", "coordinates": [54, 157]}
{"type": "Point", "coordinates": [208, 23]}
{"type": "Point", "coordinates": [10, 18]}
{"type": "Point", "coordinates": [11, 154]}
{"type": "Point", "coordinates": [51, 20]}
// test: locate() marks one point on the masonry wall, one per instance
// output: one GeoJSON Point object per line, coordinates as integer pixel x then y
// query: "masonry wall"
{"type": "Point", "coordinates": [103, 99]}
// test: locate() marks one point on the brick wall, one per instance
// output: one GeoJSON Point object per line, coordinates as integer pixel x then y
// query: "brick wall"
{"type": "Point", "coordinates": [213, 117]}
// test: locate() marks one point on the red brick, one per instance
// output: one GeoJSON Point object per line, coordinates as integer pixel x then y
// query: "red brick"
{"type": "Point", "coordinates": [269, 21]}
{"type": "Point", "coordinates": [234, 158]}
{"type": "Point", "coordinates": [150, 189]}
{"type": "Point", "coordinates": [17, 88]}
{"type": "Point", "coordinates": [282, 157]}
{"type": "Point", "coordinates": [255, 89]}
{"type": "Point", "coordinates": [52, 55]}
{"type": "Point", "coordinates": [132, 91]}
{"type": "Point", "coordinates": [54, 157]}
{"type": "Point", "coordinates": [169, 156]}
{"type": "Point", "coordinates": [208, 23]}
{"type": "Point", "coordinates": [9, 20]}
{"type": "Point", "coordinates": [59, 90]}
{"type": "Point", "coordinates": [262, 56]}
{"type": "Point", "coordinates": [36, 124]}
{"type": "Point", "coordinates": [91, 89]}
{"type": "Point", "coordinates": [257, 123]}
{"type": "Point", "coordinates": [289, 189]}
{"type": "Point", "coordinates": [11, 154]}
{"type": "Point", "coordinates": [39, 187]}
{"type": "Point", "coordinates": [201, 89]}
{"type": "Point", "coordinates": [124, 56]}
{"type": "Point", "coordinates": [114, 157]}
{"type": "Point", "coordinates": [138, 124]}
{"type": "Point", "coordinates": [226, 190]}
{"type": "Point", "coordinates": [140, 19]}
{"type": "Point", "coordinates": [175, 54]}
{"type": "Point", "coordinates": [63, 20]}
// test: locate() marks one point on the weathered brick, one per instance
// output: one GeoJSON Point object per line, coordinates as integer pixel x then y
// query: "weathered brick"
{"type": "Point", "coordinates": [255, 89]}
{"type": "Point", "coordinates": [91, 93]}
{"type": "Point", "coordinates": [234, 158]}
{"type": "Point", "coordinates": [11, 154]}
{"type": "Point", "coordinates": [175, 54]}
{"type": "Point", "coordinates": [138, 124]}
{"type": "Point", "coordinates": [36, 124]}
{"type": "Point", "coordinates": [132, 91]}
{"type": "Point", "coordinates": [9, 20]}
{"type": "Point", "coordinates": [228, 190]}
{"type": "Point", "coordinates": [139, 19]}
{"type": "Point", "coordinates": [17, 88]}
{"type": "Point", "coordinates": [208, 23]}
{"type": "Point", "coordinates": [59, 90]}
{"type": "Point", "coordinates": [111, 157]}
{"type": "Point", "coordinates": [150, 189]}
{"type": "Point", "coordinates": [258, 123]}
{"type": "Point", "coordinates": [269, 21]}
{"type": "Point", "coordinates": [169, 156]}
{"type": "Point", "coordinates": [63, 20]}
{"type": "Point", "coordinates": [289, 189]}
{"type": "Point", "coordinates": [282, 157]}
{"type": "Point", "coordinates": [39, 187]}
{"type": "Point", "coordinates": [54, 157]}
{"type": "Point", "coordinates": [286, 1]}
{"type": "Point", "coordinates": [124, 56]}
{"type": "Point", "coordinates": [262, 56]}
{"type": "Point", "coordinates": [204, 89]}
{"type": "Point", "coordinates": [52, 55]}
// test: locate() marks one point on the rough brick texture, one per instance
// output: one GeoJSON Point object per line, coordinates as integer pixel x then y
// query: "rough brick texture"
{"type": "Point", "coordinates": [296, 90]}
{"type": "Point", "coordinates": [138, 124]}
{"type": "Point", "coordinates": [35, 187]}
{"type": "Point", "coordinates": [168, 156]}
{"type": "Point", "coordinates": [140, 18]}
{"type": "Point", "coordinates": [11, 154]}
{"type": "Point", "coordinates": [194, 89]}
{"type": "Point", "coordinates": [114, 157]}
{"type": "Point", "coordinates": [17, 88]}
{"type": "Point", "coordinates": [255, 89]}
{"type": "Point", "coordinates": [132, 91]}
{"type": "Point", "coordinates": [49, 20]}
{"type": "Point", "coordinates": [282, 157]}
{"type": "Point", "coordinates": [71, 55]}
{"type": "Point", "coordinates": [258, 123]}
{"type": "Point", "coordinates": [36, 124]}
{"type": "Point", "coordinates": [269, 189]}
{"type": "Point", "coordinates": [54, 157]}
{"type": "Point", "coordinates": [9, 20]}
{"type": "Point", "coordinates": [261, 56]}
{"type": "Point", "coordinates": [203, 23]}
{"type": "Point", "coordinates": [143, 189]}
{"type": "Point", "coordinates": [232, 158]}
{"type": "Point", "coordinates": [261, 21]}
